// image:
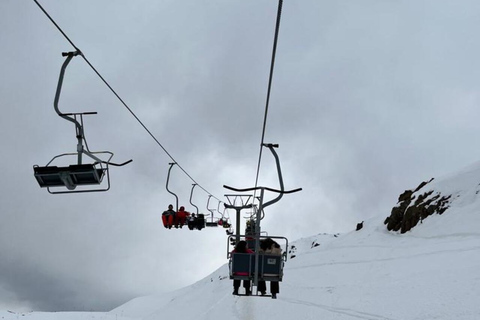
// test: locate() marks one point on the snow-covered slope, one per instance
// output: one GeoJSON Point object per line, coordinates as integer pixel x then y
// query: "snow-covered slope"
{"type": "Point", "coordinates": [431, 272]}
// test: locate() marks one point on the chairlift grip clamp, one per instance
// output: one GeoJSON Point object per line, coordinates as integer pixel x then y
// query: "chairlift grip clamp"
{"type": "Point", "coordinates": [271, 145]}
{"type": "Point", "coordinates": [71, 53]}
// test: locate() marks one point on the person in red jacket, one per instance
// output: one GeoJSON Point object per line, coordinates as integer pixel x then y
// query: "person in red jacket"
{"type": "Point", "coordinates": [182, 216]}
{"type": "Point", "coordinates": [242, 247]}
{"type": "Point", "coordinates": [168, 217]}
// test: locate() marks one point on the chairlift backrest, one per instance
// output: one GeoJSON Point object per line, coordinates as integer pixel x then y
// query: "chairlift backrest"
{"type": "Point", "coordinates": [242, 267]}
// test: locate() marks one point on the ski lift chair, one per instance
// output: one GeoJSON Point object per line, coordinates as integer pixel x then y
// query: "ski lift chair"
{"type": "Point", "coordinates": [223, 221]}
{"type": "Point", "coordinates": [211, 222]}
{"type": "Point", "coordinates": [79, 174]}
{"type": "Point", "coordinates": [270, 267]}
{"type": "Point", "coordinates": [197, 222]}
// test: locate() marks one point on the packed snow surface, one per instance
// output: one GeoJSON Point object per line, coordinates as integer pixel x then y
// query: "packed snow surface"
{"type": "Point", "coordinates": [431, 272]}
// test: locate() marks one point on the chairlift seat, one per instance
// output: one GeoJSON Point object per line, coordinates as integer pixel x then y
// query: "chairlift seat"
{"type": "Point", "coordinates": [212, 224]}
{"type": "Point", "coordinates": [196, 223]}
{"type": "Point", "coordinates": [70, 177]}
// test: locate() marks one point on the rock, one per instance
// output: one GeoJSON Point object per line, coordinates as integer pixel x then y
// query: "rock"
{"type": "Point", "coordinates": [359, 226]}
{"type": "Point", "coordinates": [405, 215]}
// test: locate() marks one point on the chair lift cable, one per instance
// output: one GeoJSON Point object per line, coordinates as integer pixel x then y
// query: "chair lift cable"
{"type": "Point", "coordinates": [119, 98]}
{"type": "Point", "coordinates": [274, 50]}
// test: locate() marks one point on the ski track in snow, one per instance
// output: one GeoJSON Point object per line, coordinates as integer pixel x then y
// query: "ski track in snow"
{"type": "Point", "coordinates": [243, 309]}
{"type": "Point", "coordinates": [423, 254]}
{"type": "Point", "coordinates": [218, 304]}
{"type": "Point", "coordinates": [344, 311]}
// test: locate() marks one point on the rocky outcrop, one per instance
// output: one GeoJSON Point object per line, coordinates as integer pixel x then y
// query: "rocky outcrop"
{"type": "Point", "coordinates": [414, 206]}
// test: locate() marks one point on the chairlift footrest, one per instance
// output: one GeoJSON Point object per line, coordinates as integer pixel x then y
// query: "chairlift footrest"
{"type": "Point", "coordinates": [253, 295]}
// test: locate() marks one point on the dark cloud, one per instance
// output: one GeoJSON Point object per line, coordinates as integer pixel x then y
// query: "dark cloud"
{"type": "Point", "coordinates": [368, 99]}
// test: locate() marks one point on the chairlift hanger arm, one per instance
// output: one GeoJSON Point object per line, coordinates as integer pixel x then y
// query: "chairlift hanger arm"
{"type": "Point", "coordinates": [208, 202]}
{"type": "Point", "coordinates": [271, 146]}
{"type": "Point", "coordinates": [168, 179]}
{"type": "Point", "coordinates": [220, 212]}
{"type": "Point", "coordinates": [65, 116]}
{"type": "Point", "coordinates": [191, 194]}
{"type": "Point", "coordinates": [262, 214]}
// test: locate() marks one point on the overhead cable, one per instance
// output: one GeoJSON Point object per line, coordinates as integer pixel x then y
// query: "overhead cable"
{"type": "Point", "coordinates": [274, 51]}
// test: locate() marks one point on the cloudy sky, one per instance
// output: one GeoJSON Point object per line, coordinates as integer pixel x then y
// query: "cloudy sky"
{"type": "Point", "coordinates": [369, 98]}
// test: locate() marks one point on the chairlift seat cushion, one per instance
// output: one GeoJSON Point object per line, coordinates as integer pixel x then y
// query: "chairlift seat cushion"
{"type": "Point", "coordinates": [83, 174]}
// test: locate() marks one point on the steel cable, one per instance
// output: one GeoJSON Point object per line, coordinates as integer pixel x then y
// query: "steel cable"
{"type": "Point", "coordinates": [272, 65]}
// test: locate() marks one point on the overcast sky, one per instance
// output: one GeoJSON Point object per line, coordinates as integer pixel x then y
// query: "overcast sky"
{"type": "Point", "coordinates": [369, 98]}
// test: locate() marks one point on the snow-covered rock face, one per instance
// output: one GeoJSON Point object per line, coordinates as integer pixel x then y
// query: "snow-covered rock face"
{"type": "Point", "coordinates": [434, 197]}
{"type": "Point", "coordinates": [414, 206]}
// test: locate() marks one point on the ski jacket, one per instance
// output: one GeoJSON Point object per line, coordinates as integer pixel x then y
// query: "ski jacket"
{"type": "Point", "coordinates": [273, 249]}
{"type": "Point", "coordinates": [268, 246]}
{"type": "Point", "coordinates": [182, 214]}
{"type": "Point", "coordinates": [168, 213]}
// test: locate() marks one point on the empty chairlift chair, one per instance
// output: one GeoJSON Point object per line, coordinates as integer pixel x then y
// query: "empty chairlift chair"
{"type": "Point", "coordinates": [87, 176]}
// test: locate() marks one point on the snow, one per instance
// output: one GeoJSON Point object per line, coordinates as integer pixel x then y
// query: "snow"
{"type": "Point", "coordinates": [430, 272]}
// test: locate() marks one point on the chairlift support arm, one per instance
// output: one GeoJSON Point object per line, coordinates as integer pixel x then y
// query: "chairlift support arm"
{"type": "Point", "coordinates": [218, 209]}
{"type": "Point", "coordinates": [191, 194]}
{"type": "Point", "coordinates": [78, 126]}
{"type": "Point", "coordinates": [208, 202]}
{"type": "Point", "coordinates": [168, 179]}
{"type": "Point", "coordinates": [279, 171]}
{"type": "Point", "coordinates": [72, 117]}
{"type": "Point", "coordinates": [69, 56]}
{"type": "Point", "coordinates": [211, 223]}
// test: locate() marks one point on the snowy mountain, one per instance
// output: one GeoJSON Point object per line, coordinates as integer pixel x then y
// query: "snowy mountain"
{"type": "Point", "coordinates": [429, 272]}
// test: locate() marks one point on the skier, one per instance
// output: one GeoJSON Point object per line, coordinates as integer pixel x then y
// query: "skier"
{"type": "Point", "coordinates": [168, 216]}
